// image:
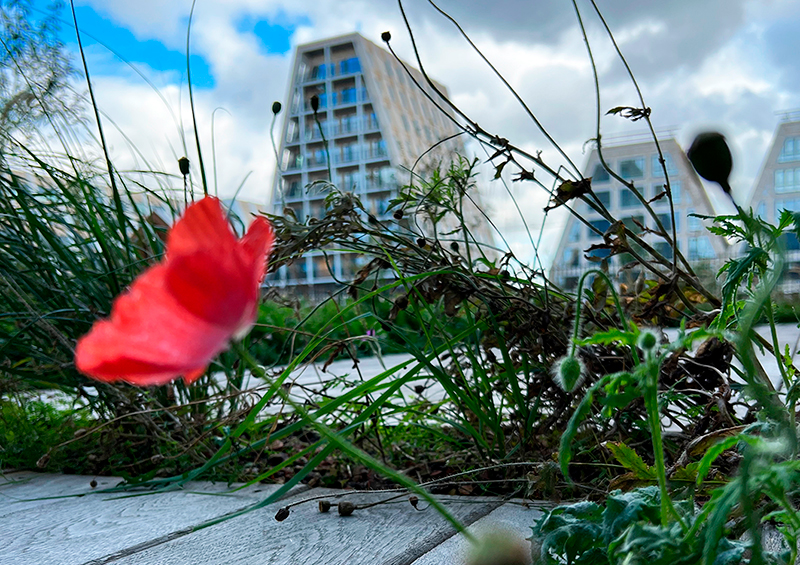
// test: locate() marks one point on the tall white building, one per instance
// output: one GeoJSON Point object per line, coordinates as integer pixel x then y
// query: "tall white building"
{"type": "Point", "coordinates": [375, 121]}
{"type": "Point", "coordinates": [777, 188]}
{"type": "Point", "coordinates": [638, 163]}
{"type": "Point", "coordinates": [778, 184]}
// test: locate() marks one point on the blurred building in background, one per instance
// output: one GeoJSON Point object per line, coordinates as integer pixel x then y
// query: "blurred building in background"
{"type": "Point", "coordinates": [637, 161]}
{"type": "Point", "coordinates": [372, 126]}
{"type": "Point", "coordinates": [777, 188]}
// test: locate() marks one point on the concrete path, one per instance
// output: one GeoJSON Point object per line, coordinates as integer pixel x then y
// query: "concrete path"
{"type": "Point", "coordinates": [63, 520]}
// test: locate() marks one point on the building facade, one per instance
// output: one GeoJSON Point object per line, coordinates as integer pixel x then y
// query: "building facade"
{"type": "Point", "coordinates": [638, 163]}
{"type": "Point", "coordinates": [777, 188]}
{"type": "Point", "coordinates": [778, 184]}
{"type": "Point", "coordinates": [372, 125]}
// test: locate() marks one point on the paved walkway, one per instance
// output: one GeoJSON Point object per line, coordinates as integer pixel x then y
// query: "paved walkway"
{"type": "Point", "coordinates": [63, 520]}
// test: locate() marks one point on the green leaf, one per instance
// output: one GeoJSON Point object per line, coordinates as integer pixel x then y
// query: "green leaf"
{"type": "Point", "coordinates": [610, 337]}
{"type": "Point", "coordinates": [756, 258]}
{"type": "Point", "coordinates": [712, 454]}
{"type": "Point", "coordinates": [631, 460]}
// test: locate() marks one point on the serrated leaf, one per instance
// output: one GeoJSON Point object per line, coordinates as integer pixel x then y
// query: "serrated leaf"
{"type": "Point", "coordinates": [610, 337]}
{"type": "Point", "coordinates": [631, 460]}
{"type": "Point", "coordinates": [711, 456]}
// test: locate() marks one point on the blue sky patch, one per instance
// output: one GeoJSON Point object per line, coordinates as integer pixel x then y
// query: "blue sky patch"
{"type": "Point", "coordinates": [275, 35]}
{"type": "Point", "coordinates": [99, 31]}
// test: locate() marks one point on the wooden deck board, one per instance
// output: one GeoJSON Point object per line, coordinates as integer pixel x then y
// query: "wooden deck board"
{"type": "Point", "coordinates": [510, 518]}
{"type": "Point", "coordinates": [77, 530]}
{"type": "Point", "coordinates": [391, 533]}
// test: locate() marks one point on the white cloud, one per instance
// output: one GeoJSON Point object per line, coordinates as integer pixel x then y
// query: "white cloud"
{"type": "Point", "coordinates": [700, 63]}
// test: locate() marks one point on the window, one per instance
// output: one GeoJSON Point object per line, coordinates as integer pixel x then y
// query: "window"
{"type": "Point", "coordinates": [600, 225]}
{"type": "Point", "coordinates": [790, 150]}
{"type": "Point", "coordinates": [694, 222]}
{"type": "Point", "coordinates": [700, 248]}
{"type": "Point", "coordinates": [348, 96]}
{"type": "Point", "coordinates": [658, 170]}
{"type": "Point", "coordinates": [349, 153]}
{"type": "Point", "coordinates": [790, 242]}
{"type": "Point", "coordinates": [632, 168]}
{"type": "Point", "coordinates": [664, 248]}
{"type": "Point", "coordinates": [571, 257]}
{"type": "Point", "coordinates": [349, 181]}
{"type": "Point", "coordinates": [666, 221]}
{"type": "Point", "coordinates": [791, 205]}
{"type": "Point", "coordinates": [600, 174]}
{"type": "Point", "coordinates": [574, 232]}
{"type": "Point", "coordinates": [631, 223]}
{"type": "Point", "coordinates": [298, 270]}
{"type": "Point", "coordinates": [628, 199]}
{"type": "Point", "coordinates": [761, 211]}
{"type": "Point", "coordinates": [787, 180]}
{"type": "Point", "coordinates": [318, 72]}
{"type": "Point", "coordinates": [604, 196]}
{"type": "Point", "coordinates": [350, 65]}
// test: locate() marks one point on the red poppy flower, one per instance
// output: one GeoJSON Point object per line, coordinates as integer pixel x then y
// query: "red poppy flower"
{"type": "Point", "coordinates": [181, 313]}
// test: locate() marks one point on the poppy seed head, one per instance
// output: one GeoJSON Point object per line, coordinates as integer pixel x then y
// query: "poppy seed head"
{"type": "Point", "coordinates": [276, 107]}
{"type": "Point", "coordinates": [183, 164]}
{"type": "Point", "coordinates": [386, 36]}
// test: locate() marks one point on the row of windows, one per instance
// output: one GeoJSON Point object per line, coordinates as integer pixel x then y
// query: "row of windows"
{"type": "Point", "coordinates": [694, 224]}
{"type": "Point", "coordinates": [342, 126]}
{"type": "Point", "coordinates": [790, 150]}
{"type": "Point", "coordinates": [344, 67]}
{"type": "Point", "coordinates": [698, 248]}
{"type": "Point", "coordinates": [628, 199]}
{"type": "Point", "coordinates": [634, 168]}
{"type": "Point", "coordinates": [787, 180]}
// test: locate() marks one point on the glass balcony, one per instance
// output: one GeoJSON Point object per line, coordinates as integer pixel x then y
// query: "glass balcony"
{"type": "Point", "coordinates": [347, 155]}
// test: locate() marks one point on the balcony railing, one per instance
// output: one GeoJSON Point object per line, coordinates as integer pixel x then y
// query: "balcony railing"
{"type": "Point", "coordinates": [376, 153]}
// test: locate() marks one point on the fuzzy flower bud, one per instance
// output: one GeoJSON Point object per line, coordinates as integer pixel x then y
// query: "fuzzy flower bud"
{"type": "Point", "coordinates": [568, 372]}
{"type": "Point", "coordinates": [647, 340]}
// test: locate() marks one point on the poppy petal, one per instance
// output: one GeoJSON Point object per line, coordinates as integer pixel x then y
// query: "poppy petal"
{"type": "Point", "coordinates": [180, 314]}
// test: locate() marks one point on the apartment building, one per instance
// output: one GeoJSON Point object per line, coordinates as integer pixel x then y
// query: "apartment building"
{"type": "Point", "coordinates": [638, 162]}
{"type": "Point", "coordinates": [777, 188]}
{"type": "Point", "coordinates": [371, 126]}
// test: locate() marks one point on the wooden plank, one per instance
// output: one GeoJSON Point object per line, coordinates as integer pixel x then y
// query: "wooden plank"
{"type": "Point", "coordinates": [26, 490]}
{"type": "Point", "coordinates": [72, 531]}
{"type": "Point", "coordinates": [512, 519]}
{"type": "Point", "coordinates": [388, 533]}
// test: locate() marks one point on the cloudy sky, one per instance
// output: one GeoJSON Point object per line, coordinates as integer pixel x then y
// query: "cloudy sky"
{"type": "Point", "coordinates": [732, 65]}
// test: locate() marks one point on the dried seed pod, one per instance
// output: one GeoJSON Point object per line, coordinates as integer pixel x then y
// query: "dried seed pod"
{"type": "Point", "coordinates": [43, 461]}
{"type": "Point", "coordinates": [314, 103]}
{"type": "Point", "coordinates": [282, 514]}
{"type": "Point", "coordinates": [324, 506]}
{"type": "Point", "coordinates": [398, 215]}
{"type": "Point", "coordinates": [419, 389]}
{"type": "Point", "coordinates": [401, 303]}
{"type": "Point", "coordinates": [454, 247]}
{"type": "Point", "coordinates": [345, 508]}
{"type": "Point", "coordinates": [413, 500]}
{"type": "Point", "coordinates": [276, 107]}
{"type": "Point", "coordinates": [386, 36]}
{"type": "Point", "coordinates": [93, 483]}
{"type": "Point", "coordinates": [183, 164]}
{"type": "Point", "coordinates": [421, 242]}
